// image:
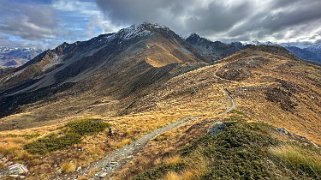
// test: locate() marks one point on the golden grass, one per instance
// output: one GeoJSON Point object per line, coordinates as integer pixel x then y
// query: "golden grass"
{"type": "Point", "coordinates": [68, 167]}
{"type": "Point", "coordinates": [173, 102]}
{"type": "Point", "coordinates": [298, 157]}
{"type": "Point", "coordinates": [197, 165]}
{"type": "Point", "coordinates": [173, 160]}
{"type": "Point", "coordinates": [121, 143]}
{"type": "Point", "coordinates": [2, 165]}
{"type": "Point", "coordinates": [82, 178]}
{"type": "Point", "coordinates": [172, 176]}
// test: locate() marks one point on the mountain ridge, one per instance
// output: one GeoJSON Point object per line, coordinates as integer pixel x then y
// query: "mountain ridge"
{"type": "Point", "coordinates": [155, 53]}
{"type": "Point", "coordinates": [146, 103]}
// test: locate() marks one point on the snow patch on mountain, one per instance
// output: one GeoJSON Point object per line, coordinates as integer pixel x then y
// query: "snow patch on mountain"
{"type": "Point", "coordinates": [134, 31]}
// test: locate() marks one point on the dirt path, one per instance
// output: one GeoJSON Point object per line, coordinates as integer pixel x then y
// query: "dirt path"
{"type": "Point", "coordinates": [233, 103]}
{"type": "Point", "coordinates": [119, 157]}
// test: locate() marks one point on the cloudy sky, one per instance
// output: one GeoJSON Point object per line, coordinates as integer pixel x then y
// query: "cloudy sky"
{"type": "Point", "coordinates": [47, 23]}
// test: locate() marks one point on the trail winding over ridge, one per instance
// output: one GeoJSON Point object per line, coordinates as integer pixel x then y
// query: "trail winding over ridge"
{"type": "Point", "coordinates": [119, 157]}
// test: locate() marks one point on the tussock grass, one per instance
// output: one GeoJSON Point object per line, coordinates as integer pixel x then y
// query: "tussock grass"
{"type": "Point", "coordinates": [122, 143]}
{"type": "Point", "coordinates": [68, 167]}
{"type": "Point", "coordinates": [299, 159]}
{"type": "Point", "coordinates": [2, 165]}
{"type": "Point", "coordinates": [8, 149]}
{"type": "Point", "coordinates": [173, 160]}
{"type": "Point", "coordinates": [160, 171]}
{"type": "Point", "coordinates": [172, 176]}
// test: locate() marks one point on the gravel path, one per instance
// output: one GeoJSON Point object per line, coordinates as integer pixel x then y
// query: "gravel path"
{"type": "Point", "coordinates": [112, 161]}
{"type": "Point", "coordinates": [117, 158]}
{"type": "Point", "coordinates": [233, 106]}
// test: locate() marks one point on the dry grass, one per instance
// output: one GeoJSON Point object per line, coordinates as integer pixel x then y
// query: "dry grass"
{"type": "Point", "coordinates": [172, 176]}
{"type": "Point", "coordinates": [122, 143]}
{"type": "Point", "coordinates": [2, 165]}
{"type": "Point", "coordinates": [68, 167]}
{"type": "Point", "coordinates": [197, 166]}
{"type": "Point", "coordinates": [173, 160]}
{"type": "Point", "coordinates": [197, 93]}
{"type": "Point", "coordinates": [300, 158]}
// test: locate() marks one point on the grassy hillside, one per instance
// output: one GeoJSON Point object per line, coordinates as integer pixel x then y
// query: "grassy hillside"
{"type": "Point", "coordinates": [271, 134]}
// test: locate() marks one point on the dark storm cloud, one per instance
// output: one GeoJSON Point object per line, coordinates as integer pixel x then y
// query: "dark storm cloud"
{"type": "Point", "coordinates": [234, 19]}
{"type": "Point", "coordinates": [217, 17]}
{"type": "Point", "coordinates": [127, 12]}
{"type": "Point", "coordinates": [48, 23]}
{"type": "Point", "coordinates": [26, 20]}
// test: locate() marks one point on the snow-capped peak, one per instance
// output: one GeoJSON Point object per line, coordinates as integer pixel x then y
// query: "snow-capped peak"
{"type": "Point", "coordinates": [134, 31]}
{"type": "Point", "coordinates": [140, 30]}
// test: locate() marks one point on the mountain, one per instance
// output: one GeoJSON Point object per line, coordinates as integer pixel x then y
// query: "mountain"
{"type": "Point", "coordinates": [213, 50]}
{"type": "Point", "coordinates": [144, 103]}
{"type": "Point", "coordinates": [14, 57]}
{"type": "Point", "coordinates": [118, 64]}
{"type": "Point", "coordinates": [311, 53]}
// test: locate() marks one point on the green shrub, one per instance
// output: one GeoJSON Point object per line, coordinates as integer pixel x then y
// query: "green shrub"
{"type": "Point", "coordinates": [73, 133]}
{"type": "Point", "coordinates": [52, 142]}
{"type": "Point", "coordinates": [87, 126]}
{"type": "Point", "coordinates": [238, 152]}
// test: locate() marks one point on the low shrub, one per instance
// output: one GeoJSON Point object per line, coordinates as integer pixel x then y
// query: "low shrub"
{"type": "Point", "coordinates": [87, 126]}
{"type": "Point", "coordinates": [73, 133]}
{"type": "Point", "coordinates": [52, 142]}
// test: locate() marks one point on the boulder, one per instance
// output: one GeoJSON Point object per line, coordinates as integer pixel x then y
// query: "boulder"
{"type": "Point", "coordinates": [17, 169]}
{"type": "Point", "coordinates": [219, 127]}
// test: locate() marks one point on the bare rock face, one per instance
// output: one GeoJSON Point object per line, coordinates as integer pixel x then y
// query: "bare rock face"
{"type": "Point", "coordinates": [15, 171]}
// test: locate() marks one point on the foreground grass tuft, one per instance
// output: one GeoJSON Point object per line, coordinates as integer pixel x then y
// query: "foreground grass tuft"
{"type": "Point", "coordinates": [72, 135]}
{"type": "Point", "coordinates": [299, 159]}
{"type": "Point", "coordinates": [68, 167]}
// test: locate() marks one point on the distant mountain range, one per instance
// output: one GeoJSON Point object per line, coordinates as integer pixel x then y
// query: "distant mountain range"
{"type": "Point", "coordinates": [212, 50]}
{"type": "Point", "coordinates": [217, 50]}
{"type": "Point", "coordinates": [14, 57]}
{"type": "Point", "coordinates": [311, 53]}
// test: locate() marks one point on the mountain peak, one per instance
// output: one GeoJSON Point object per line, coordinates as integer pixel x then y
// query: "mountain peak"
{"type": "Point", "coordinates": [193, 37]}
{"type": "Point", "coordinates": [139, 30]}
